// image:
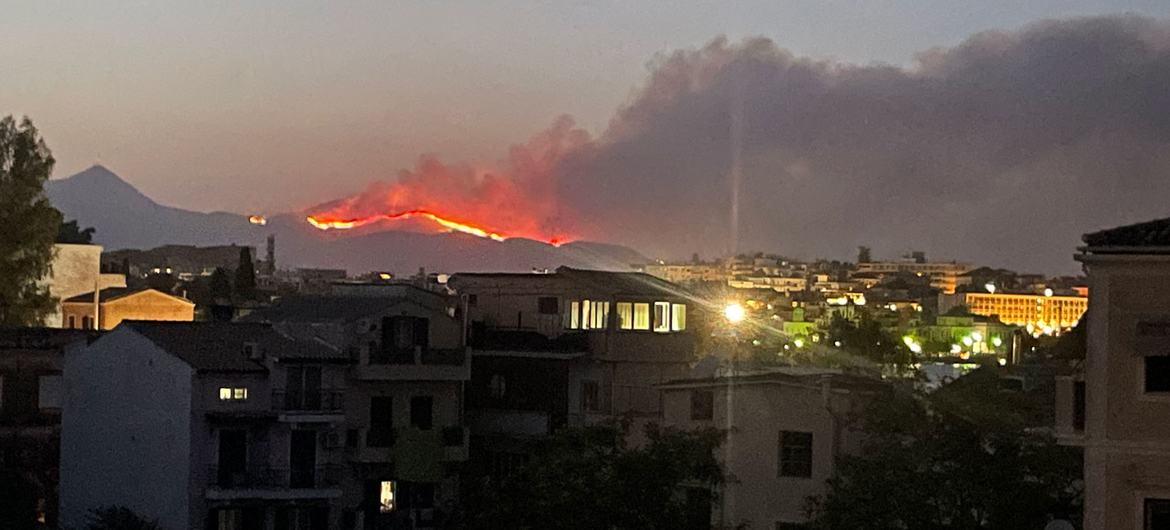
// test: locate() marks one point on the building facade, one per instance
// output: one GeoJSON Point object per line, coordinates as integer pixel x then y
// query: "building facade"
{"type": "Point", "coordinates": [76, 270]}
{"type": "Point", "coordinates": [115, 304]}
{"type": "Point", "coordinates": [1126, 384]}
{"type": "Point", "coordinates": [1040, 313]}
{"type": "Point", "coordinates": [790, 427]}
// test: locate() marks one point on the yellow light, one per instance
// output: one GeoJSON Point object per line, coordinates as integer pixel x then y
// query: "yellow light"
{"type": "Point", "coordinates": [1002, 361]}
{"type": "Point", "coordinates": [734, 312]}
{"type": "Point", "coordinates": [997, 341]}
{"type": "Point", "coordinates": [384, 276]}
{"type": "Point", "coordinates": [990, 287]}
{"type": "Point", "coordinates": [1048, 291]}
{"type": "Point", "coordinates": [799, 343]}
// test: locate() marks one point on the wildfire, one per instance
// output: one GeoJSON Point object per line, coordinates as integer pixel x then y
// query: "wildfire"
{"type": "Point", "coordinates": [450, 225]}
{"type": "Point", "coordinates": [257, 220]}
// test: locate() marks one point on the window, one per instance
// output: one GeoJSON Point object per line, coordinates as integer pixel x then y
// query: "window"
{"type": "Point", "coordinates": [402, 334]}
{"type": "Point", "coordinates": [49, 392]}
{"type": "Point", "coordinates": [85, 323]}
{"type": "Point", "coordinates": [702, 404]}
{"type": "Point", "coordinates": [386, 500]}
{"type": "Point", "coordinates": [661, 317]}
{"type": "Point", "coordinates": [472, 300]}
{"type": "Point", "coordinates": [547, 305]}
{"type": "Point", "coordinates": [642, 316]}
{"type": "Point", "coordinates": [302, 388]}
{"type": "Point", "coordinates": [72, 322]}
{"type": "Point", "coordinates": [498, 386]}
{"type": "Point", "coordinates": [795, 454]}
{"type": "Point", "coordinates": [1079, 405]}
{"type": "Point", "coordinates": [599, 315]}
{"type": "Point", "coordinates": [422, 412]}
{"type": "Point", "coordinates": [1157, 373]}
{"type": "Point", "coordinates": [233, 393]}
{"type": "Point", "coordinates": [574, 315]}
{"type": "Point", "coordinates": [678, 317]}
{"type": "Point", "coordinates": [1157, 514]}
{"type": "Point", "coordinates": [351, 438]}
{"type": "Point", "coordinates": [590, 396]}
{"type": "Point", "coordinates": [381, 431]}
{"type": "Point", "coordinates": [625, 314]}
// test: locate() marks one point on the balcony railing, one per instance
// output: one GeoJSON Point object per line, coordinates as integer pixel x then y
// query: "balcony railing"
{"type": "Point", "coordinates": [323, 476]}
{"type": "Point", "coordinates": [325, 400]}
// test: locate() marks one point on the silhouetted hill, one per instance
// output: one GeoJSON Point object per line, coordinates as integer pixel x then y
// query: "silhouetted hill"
{"type": "Point", "coordinates": [125, 218]}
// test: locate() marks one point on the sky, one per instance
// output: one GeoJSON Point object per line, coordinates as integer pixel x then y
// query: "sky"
{"type": "Point", "coordinates": [276, 106]}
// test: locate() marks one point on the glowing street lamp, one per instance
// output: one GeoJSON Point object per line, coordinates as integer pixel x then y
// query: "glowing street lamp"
{"type": "Point", "coordinates": [733, 312]}
{"type": "Point", "coordinates": [990, 287]}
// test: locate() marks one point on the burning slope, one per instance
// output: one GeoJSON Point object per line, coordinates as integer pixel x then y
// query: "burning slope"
{"type": "Point", "coordinates": [516, 197]}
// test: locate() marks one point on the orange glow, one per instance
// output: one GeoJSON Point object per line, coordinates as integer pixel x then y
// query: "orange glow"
{"type": "Point", "coordinates": [450, 225]}
{"type": "Point", "coordinates": [257, 220]}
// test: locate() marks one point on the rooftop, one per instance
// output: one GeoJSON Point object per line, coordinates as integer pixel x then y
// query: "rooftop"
{"type": "Point", "coordinates": [603, 281]}
{"type": "Point", "coordinates": [219, 346]}
{"type": "Point", "coordinates": [331, 308]}
{"type": "Point", "coordinates": [110, 294]}
{"type": "Point", "coordinates": [1150, 237]}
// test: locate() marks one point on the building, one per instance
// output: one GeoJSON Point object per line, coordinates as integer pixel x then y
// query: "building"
{"type": "Point", "coordinates": [76, 269]}
{"type": "Point", "coordinates": [791, 425]}
{"type": "Point", "coordinates": [944, 275]}
{"type": "Point", "coordinates": [116, 304]}
{"type": "Point", "coordinates": [780, 284]}
{"type": "Point", "coordinates": [1121, 407]}
{"type": "Point", "coordinates": [205, 425]}
{"type": "Point", "coordinates": [969, 334]}
{"type": "Point", "coordinates": [404, 399]}
{"type": "Point", "coordinates": [686, 273]}
{"type": "Point", "coordinates": [569, 348]}
{"type": "Point", "coordinates": [1046, 312]}
{"type": "Point", "coordinates": [30, 414]}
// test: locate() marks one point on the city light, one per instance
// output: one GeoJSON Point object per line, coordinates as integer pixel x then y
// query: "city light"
{"type": "Point", "coordinates": [990, 287]}
{"type": "Point", "coordinates": [1048, 291]}
{"type": "Point", "coordinates": [734, 312]}
{"type": "Point", "coordinates": [799, 343]}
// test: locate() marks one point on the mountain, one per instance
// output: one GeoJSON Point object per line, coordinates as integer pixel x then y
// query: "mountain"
{"type": "Point", "coordinates": [126, 218]}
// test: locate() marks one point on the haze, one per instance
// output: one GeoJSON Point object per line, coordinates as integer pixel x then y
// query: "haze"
{"type": "Point", "coordinates": [278, 106]}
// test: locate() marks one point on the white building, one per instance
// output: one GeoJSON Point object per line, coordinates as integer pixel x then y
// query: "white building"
{"type": "Point", "coordinates": [76, 269]}
{"type": "Point", "coordinates": [786, 429]}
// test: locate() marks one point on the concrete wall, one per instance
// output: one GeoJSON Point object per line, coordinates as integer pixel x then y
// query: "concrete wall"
{"type": "Point", "coordinates": [756, 496]}
{"type": "Point", "coordinates": [76, 270]}
{"type": "Point", "coordinates": [125, 434]}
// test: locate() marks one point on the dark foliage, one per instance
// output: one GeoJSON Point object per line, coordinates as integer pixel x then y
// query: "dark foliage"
{"type": "Point", "coordinates": [30, 224]}
{"type": "Point", "coordinates": [118, 518]}
{"type": "Point", "coordinates": [70, 232]}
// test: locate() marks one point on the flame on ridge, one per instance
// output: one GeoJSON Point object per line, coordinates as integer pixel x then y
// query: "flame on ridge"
{"type": "Point", "coordinates": [454, 226]}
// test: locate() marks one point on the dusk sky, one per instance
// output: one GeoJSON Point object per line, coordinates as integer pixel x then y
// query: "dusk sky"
{"type": "Point", "coordinates": [278, 106]}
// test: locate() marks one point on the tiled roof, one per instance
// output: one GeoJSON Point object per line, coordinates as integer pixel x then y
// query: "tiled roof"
{"type": "Point", "coordinates": [599, 281]}
{"type": "Point", "coordinates": [1148, 234]}
{"type": "Point", "coordinates": [110, 294]}
{"type": "Point", "coordinates": [332, 308]}
{"type": "Point", "coordinates": [219, 346]}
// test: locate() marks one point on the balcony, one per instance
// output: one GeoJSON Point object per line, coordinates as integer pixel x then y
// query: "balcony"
{"type": "Point", "coordinates": [318, 405]}
{"type": "Point", "coordinates": [431, 364]}
{"type": "Point", "coordinates": [265, 482]}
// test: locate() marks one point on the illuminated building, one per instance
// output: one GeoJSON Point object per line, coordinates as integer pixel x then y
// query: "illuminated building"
{"type": "Point", "coordinates": [685, 273]}
{"type": "Point", "coordinates": [1118, 410]}
{"type": "Point", "coordinates": [944, 275]}
{"type": "Point", "coordinates": [1038, 312]}
{"type": "Point", "coordinates": [116, 304]}
{"type": "Point", "coordinates": [76, 269]}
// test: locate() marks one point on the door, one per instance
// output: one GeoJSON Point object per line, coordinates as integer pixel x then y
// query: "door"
{"type": "Point", "coordinates": [233, 457]}
{"type": "Point", "coordinates": [302, 459]}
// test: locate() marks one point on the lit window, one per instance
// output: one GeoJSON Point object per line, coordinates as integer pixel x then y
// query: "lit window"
{"type": "Point", "coordinates": [642, 316]}
{"type": "Point", "coordinates": [386, 499]}
{"type": "Point", "coordinates": [599, 315]}
{"type": "Point", "coordinates": [585, 320]}
{"type": "Point", "coordinates": [678, 317]}
{"type": "Point", "coordinates": [574, 316]}
{"type": "Point", "coordinates": [233, 393]}
{"type": "Point", "coordinates": [662, 317]}
{"type": "Point", "coordinates": [625, 312]}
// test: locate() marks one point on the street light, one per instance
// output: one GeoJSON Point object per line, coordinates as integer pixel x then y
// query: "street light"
{"type": "Point", "coordinates": [733, 312]}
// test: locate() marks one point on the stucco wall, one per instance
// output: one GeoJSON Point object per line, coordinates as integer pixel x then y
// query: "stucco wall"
{"type": "Point", "coordinates": [125, 434]}
{"type": "Point", "coordinates": [76, 270]}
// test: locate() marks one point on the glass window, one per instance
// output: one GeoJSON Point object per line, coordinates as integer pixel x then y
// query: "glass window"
{"type": "Point", "coordinates": [625, 314]}
{"type": "Point", "coordinates": [422, 412]}
{"type": "Point", "coordinates": [795, 454]}
{"type": "Point", "coordinates": [227, 393]}
{"type": "Point", "coordinates": [386, 496]}
{"type": "Point", "coordinates": [1157, 514]}
{"type": "Point", "coordinates": [642, 316]}
{"type": "Point", "coordinates": [574, 315]}
{"type": "Point", "coordinates": [585, 314]}
{"type": "Point", "coordinates": [661, 317]}
{"type": "Point", "coordinates": [599, 315]}
{"type": "Point", "coordinates": [240, 393]}
{"type": "Point", "coordinates": [381, 430]}
{"type": "Point", "coordinates": [547, 305]}
{"type": "Point", "coordinates": [678, 317]}
{"type": "Point", "coordinates": [1158, 373]}
{"type": "Point", "coordinates": [590, 396]}
{"type": "Point", "coordinates": [49, 391]}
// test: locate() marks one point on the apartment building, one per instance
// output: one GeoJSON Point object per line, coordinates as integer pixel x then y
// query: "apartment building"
{"type": "Point", "coordinates": [943, 275]}
{"type": "Point", "coordinates": [1046, 312]}
{"type": "Point", "coordinates": [108, 307]}
{"type": "Point", "coordinates": [205, 425]}
{"type": "Point", "coordinates": [568, 348]}
{"type": "Point", "coordinates": [404, 402]}
{"type": "Point", "coordinates": [1121, 407]}
{"type": "Point", "coordinates": [790, 427]}
{"type": "Point", "coordinates": [30, 415]}
{"type": "Point", "coordinates": [684, 273]}
{"type": "Point", "coordinates": [76, 269]}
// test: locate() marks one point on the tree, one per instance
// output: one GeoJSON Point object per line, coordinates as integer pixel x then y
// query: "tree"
{"type": "Point", "coordinates": [118, 518]}
{"type": "Point", "coordinates": [960, 458]}
{"type": "Point", "coordinates": [18, 510]}
{"type": "Point", "coordinates": [590, 478]}
{"type": "Point", "coordinates": [865, 338]}
{"type": "Point", "coordinates": [29, 224]}
{"type": "Point", "coordinates": [246, 275]}
{"type": "Point", "coordinates": [219, 288]}
{"type": "Point", "coordinates": [70, 232]}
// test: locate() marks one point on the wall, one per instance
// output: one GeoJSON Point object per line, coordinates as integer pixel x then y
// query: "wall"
{"type": "Point", "coordinates": [76, 270]}
{"type": "Point", "coordinates": [125, 434]}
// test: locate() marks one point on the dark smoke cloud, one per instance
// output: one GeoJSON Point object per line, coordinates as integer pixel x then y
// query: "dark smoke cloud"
{"type": "Point", "coordinates": [1002, 150]}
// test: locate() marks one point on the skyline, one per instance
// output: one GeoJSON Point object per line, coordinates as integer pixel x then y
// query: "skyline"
{"type": "Point", "coordinates": [211, 124]}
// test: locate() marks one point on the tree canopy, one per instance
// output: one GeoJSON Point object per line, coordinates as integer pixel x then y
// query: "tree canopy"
{"type": "Point", "coordinates": [245, 285]}
{"type": "Point", "coordinates": [960, 458]}
{"type": "Point", "coordinates": [30, 224]}
{"type": "Point", "coordinates": [592, 478]}
{"type": "Point", "coordinates": [70, 232]}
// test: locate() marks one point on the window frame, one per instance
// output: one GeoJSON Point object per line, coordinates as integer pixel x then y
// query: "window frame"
{"type": "Point", "coordinates": [702, 411]}
{"type": "Point", "coordinates": [787, 444]}
{"type": "Point", "coordinates": [233, 394]}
